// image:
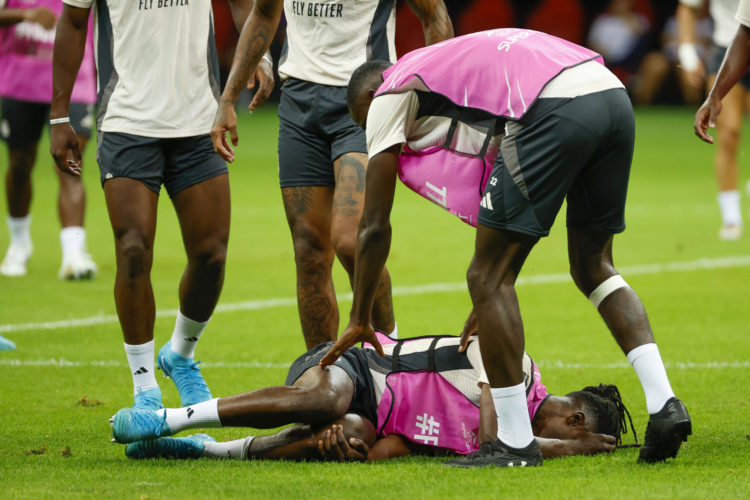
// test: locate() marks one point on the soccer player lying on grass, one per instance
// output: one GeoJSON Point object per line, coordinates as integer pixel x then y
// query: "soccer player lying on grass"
{"type": "Point", "coordinates": [421, 398]}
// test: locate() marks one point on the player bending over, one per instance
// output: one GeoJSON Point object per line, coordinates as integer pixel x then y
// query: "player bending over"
{"type": "Point", "coordinates": [422, 398]}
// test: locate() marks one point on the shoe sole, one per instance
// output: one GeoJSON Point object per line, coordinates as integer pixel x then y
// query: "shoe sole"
{"type": "Point", "coordinates": [669, 445]}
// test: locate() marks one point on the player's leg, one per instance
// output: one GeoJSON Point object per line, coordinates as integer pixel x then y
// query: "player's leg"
{"type": "Point", "coordinates": [71, 205]}
{"type": "Point", "coordinates": [196, 178]}
{"type": "Point", "coordinates": [21, 127]}
{"type": "Point", "coordinates": [728, 128]}
{"type": "Point", "coordinates": [596, 208]}
{"type": "Point", "coordinates": [348, 204]}
{"type": "Point", "coordinates": [317, 397]}
{"type": "Point", "coordinates": [131, 169]}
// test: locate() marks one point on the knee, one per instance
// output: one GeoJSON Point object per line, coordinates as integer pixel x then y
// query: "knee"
{"type": "Point", "coordinates": [20, 167]}
{"type": "Point", "coordinates": [210, 255]}
{"type": "Point", "coordinates": [345, 247]}
{"type": "Point", "coordinates": [325, 403]}
{"type": "Point", "coordinates": [134, 255]}
{"type": "Point", "coordinates": [588, 275]}
{"type": "Point", "coordinates": [477, 282]}
{"type": "Point", "coordinates": [312, 251]}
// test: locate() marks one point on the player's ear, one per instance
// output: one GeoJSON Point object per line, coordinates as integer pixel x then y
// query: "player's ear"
{"type": "Point", "coordinates": [371, 93]}
{"type": "Point", "coordinates": [576, 419]}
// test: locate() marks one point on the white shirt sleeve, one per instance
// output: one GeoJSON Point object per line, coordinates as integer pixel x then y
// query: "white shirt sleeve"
{"type": "Point", "coordinates": [743, 13]}
{"type": "Point", "coordinates": [84, 4]}
{"type": "Point", "coordinates": [389, 120]}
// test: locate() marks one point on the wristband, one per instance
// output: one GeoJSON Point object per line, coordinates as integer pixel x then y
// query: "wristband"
{"type": "Point", "coordinates": [688, 56]}
{"type": "Point", "coordinates": [56, 121]}
{"type": "Point", "coordinates": [267, 58]}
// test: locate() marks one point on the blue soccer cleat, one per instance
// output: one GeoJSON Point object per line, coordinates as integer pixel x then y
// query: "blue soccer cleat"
{"type": "Point", "coordinates": [181, 447]}
{"type": "Point", "coordinates": [130, 425]}
{"type": "Point", "coordinates": [150, 399]}
{"type": "Point", "coordinates": [6, 345]}
{"type": "Point", "coordinates": [185, 374]}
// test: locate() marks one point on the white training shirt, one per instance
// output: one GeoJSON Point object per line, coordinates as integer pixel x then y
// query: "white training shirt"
{"type": "Point", "coordinates": [157, 65]}
{"type": "Point", "coordinates": [743, 13]}
{"type": "Point", "coordinates": [392, 117]}
{"type": "Point", "coordinates": [328, 39]}
{"type": "Point", "coordinates": [722, 12]}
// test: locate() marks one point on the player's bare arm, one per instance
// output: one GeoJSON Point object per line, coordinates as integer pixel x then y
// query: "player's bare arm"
{"type": "Point", "coordinates": [735, 65]}
{"type": "Point", "coordinates": [373, 245]}
{"type": "Point", "coordinates": [241, 9]}
{"type": "Point", "coordinates": [434, 17]}
{"type": "Point", "coordinates": [255, 38]}
{"type": "Point", "coordinates": [70, 42]}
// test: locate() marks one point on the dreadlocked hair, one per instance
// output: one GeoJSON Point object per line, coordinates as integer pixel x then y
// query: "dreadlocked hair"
{"type": "Point", "coordinates": [605, 403]}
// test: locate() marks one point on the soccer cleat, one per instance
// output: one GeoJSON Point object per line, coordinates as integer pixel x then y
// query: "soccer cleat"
{"type": "Point", "coordinates": [181, 447]}
{"type": "Point", "coordinates": [6, 345]}
{"type": "Point", "coordinates": [185, 374]}
{"type": "Point", "coordinates": [78, 267]}
{"type": "Point", "coordinates": [498, 454]}
{"type": "Point", "coordinates": [730, 232]}
{"type": "Point", "coordinates": [14, 263]}
{"type": "Point", "coordinates": [665, 432]}
{"type": "Point", "coordinates": [150, 399]}
{"type": "Point", "coordinates": [130, 425]}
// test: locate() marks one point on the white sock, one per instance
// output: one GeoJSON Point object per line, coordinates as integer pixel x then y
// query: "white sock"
{"type": "Point", "coordinates": [729, 204]}
{"type": "Point", "coordinates": [228, 449]}
{"type": "Point", "coordinates": [186, 334]}
{"type": "Point", "coordinates": [20, 229]}
{"type": "Point", "coordinates": [513, 424]}
{"type": "Point", "coordinates": [205, 414]}
{"type": "Point", "coordinates": [141, 361]}
{"type": "Point", "coordinates": [73, 241]}
{"type": "Point", "coordinates": [394, 333]}
{"type": "Point", "coordinates": [649, 367]}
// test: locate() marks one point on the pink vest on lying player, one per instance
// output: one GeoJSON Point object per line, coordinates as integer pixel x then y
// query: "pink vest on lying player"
{"type": "Point", "coordinates": [426, 409]}
{"type": "Point", "coordinates": [26, 59]}
{"type": "Point", "coordinates": [500, 72]}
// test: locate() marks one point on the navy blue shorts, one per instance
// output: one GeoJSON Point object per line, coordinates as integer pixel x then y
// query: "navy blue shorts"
{"type": "Point", "coordinates": [178, 163]}
{"type": "Point", "coordinates": [315, 128]}
{"type": "Point", "coordinates": [23, 121]}
{"type": "Point", "coordinates": [580, 148]}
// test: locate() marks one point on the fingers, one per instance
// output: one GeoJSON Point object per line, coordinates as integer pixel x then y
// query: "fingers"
{"type": "Point", "coordinates": [221, 146]}
{"type": "Point", "coordinates": [464, 341]}
{"type": "Point", "coordinates": [266, 83]}
{"type": "Point", "coordinates": [376, 344]}
{"type": "Point", "coordinates": [702, 122]}
{"type": "Point", "coordinates": [332, 355]}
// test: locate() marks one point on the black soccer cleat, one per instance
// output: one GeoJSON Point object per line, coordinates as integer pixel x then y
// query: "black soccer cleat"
{"type": "Point", "coordinates": [665, 432]}
{"type": "Point", "coordinates": [498, 454]}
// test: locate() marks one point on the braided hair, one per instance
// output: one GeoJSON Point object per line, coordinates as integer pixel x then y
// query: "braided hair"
{"type": "Point", "coordinates": [605, 403]}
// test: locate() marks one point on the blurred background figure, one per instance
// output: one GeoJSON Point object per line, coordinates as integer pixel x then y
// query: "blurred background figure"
{"type": "Point", "coordinates": [27, 35]}
{"type": "Point", "coordinates": [729, 123]}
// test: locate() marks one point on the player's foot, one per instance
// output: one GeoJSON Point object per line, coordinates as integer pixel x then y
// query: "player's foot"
{"type": "Point", "coordinates": [6, 345]}
{"type": "Point", "coordinates": [498, 454]}
{"type": "Point", "coordinates": [78, 267]}
{"type": "Point", "coordinates": [731, 232]}
{"type": "Point", "coordinates": [150, 399]}
{"type": "Point", "coordinates": [665, 432]}
{"type": "Point", "coordinates": [130, 425]}
{"type": "Point", "coordinates": [186, 375]}
{"type": "Point", "coordinates": [14, 263]}
{"type": "Point", "coordinates": [181, 447]}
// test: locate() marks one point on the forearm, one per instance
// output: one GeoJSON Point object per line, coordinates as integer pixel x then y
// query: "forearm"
{"type": "Point", "coordinates": [735, 63]}
{"type": "Point", "coordinates": [255, 39]}
{"type": "Point", "coordinates": [433, 15]}
{"type": "Point", "coordinates": [70, 44]}
{"type": "Point", "coordinates": [9, 17]}
{"type": "Point", "coordinates": [373, 246]}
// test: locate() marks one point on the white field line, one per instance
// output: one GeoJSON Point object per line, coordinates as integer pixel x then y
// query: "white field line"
{"type": "Point", "coordinates": [544, 364]}
{"type": "Point", "coordinates": [669, 267]}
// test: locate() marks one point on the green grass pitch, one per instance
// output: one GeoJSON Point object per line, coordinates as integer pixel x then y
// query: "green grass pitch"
{"type": "Point", "coordinates": [68, 377]}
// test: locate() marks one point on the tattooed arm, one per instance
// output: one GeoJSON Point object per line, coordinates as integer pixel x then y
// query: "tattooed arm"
{"type": "Point", "coordinates": [436, 23]}
{"type": "Point", "coordinates": [241, 10]}
{"type": "Point", "coordinates": [254, 41]}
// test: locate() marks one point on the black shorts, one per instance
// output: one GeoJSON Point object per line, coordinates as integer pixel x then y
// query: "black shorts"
{"type": "Point", "coordinates": [315, 128]}
{"type": "Point", "coordinates": [354, 363]}
{"type": "Point", "coordinates": [717, 56]}
{"type": "Point", "coordinates": [22, 121]}
{"type": "Point", "coordinates": [178, 163]}
{"type": "Point", "coordinates": [580, 148]}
